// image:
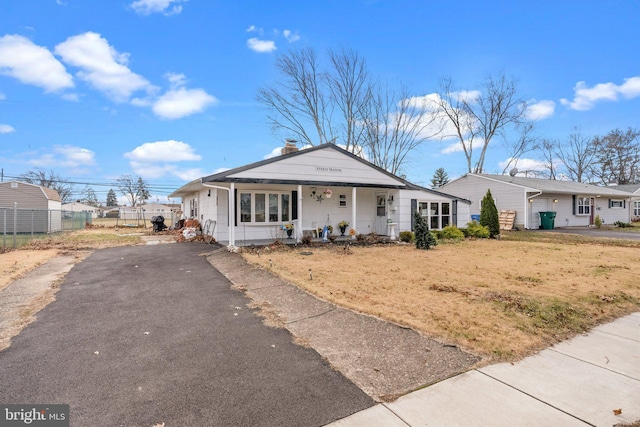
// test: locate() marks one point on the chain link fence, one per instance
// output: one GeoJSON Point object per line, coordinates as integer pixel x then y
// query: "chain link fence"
{"type": "Point", "coordinates": [18, 227]}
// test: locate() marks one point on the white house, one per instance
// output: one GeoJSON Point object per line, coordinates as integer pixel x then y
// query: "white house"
{"type": "Point", "coordinates": [311, 188]}
{"type": "Point", "coordinates": [575, 203]}
{"type": "Point", "coordinates": [95, 211]}
{"type": "Point", "coordinates": [634, 189]}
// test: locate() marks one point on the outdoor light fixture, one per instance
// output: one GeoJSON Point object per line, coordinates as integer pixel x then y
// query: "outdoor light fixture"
{"type": "Point", "coordinates": [530, 200]}
{"type": "Point", "coordinates": [209, 193]}
{"type": "Point", "coordinates": [555, 200]}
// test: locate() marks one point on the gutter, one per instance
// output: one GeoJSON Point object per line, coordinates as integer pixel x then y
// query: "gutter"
{"type": "Point", "coordinates": [232, 238]}
{"type": "Point", "coordinates": [527, 209]}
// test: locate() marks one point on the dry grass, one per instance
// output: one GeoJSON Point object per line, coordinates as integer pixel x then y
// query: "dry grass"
{"type": "Point", "coordinates": [498, 298]}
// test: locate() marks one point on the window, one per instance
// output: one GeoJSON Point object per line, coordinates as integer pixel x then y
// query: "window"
{"type": "Point", "coordinates": [437, 214]}
{"type": "Point", "coordinates": [343, 200]}
{"type": "Point", "coordinates": [636, 208]}
{"type": "Point", "coordinates": [616, 204]}
{"type": "Point", "coordinates": [261, 207]}
{"type": "Point", "coordinates": [381, 205]}
{"type": "Point", "coordinates": [584, 206]}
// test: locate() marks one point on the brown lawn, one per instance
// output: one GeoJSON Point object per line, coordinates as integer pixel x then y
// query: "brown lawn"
{"type": "Point", "coordinates": [502, 299]}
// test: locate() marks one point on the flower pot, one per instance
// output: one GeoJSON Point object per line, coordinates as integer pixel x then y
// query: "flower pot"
{"type": "Point", "coordinates": [289, 233]}
{"type": "Point", "coordinates": [342, 230]}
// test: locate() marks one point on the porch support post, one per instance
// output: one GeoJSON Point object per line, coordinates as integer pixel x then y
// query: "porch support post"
{"type": "Point", "coordinates": [299, 225]}
{"type": "Point", "coordinates": [232, 215]}
{"type": "Point", "coordinates": [353, 209]}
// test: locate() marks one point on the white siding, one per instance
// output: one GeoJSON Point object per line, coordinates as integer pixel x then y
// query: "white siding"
{"type": "Point", "coordinates": [320, 165]}
{"type": "Point", "coordinates": [506, 196]}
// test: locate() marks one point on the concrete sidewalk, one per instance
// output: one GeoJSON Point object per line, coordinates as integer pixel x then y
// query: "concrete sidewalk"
{"type": "Point", "coordinates": [579, 382]}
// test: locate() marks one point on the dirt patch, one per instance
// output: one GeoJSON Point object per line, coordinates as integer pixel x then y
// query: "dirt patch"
{"type": "Point", "coordinates": [501, 299]}
{"type": "Point", "coordinates": [24, 298]}
{"type": "Point", "coordinates": [14, 264]}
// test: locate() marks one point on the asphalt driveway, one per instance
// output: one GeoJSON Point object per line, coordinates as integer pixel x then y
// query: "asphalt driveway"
{"type": "Point", "coordinates": [598, 232]}
{"type": "Point", "coordinates": [145, 335]}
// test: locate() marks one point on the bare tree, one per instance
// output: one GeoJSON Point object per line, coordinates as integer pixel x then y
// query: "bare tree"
{"type": "Point", "coordinates": [478, 116]}
{"type": "Point", "coordinates": [618, 157]}
{"type": "Point", "coordinates": [135, 191]}
{"type": "Point", "coordinates": [578, 156]}
{"type": "Point", "coordinates": [351, 91]}
{"type": "Point", "coordinates": [344, 105]}
{"type": "Point", "coordinates": [90, 197]}
{"type": "Point", "coordinates": [525, 142]}
{"type": "Point", "coordinates": [50, 180]}
{"type": "Point", "coordinates": [548, 150]}
{"type": "Point", "coordinates": [298, 103]}
{"type": "Point", "coordinates": [395, 124]}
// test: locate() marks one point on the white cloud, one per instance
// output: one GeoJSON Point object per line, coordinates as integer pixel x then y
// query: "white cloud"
{"type": "Point", "coordinates": [163, 151]}
{"type": "Point", "coordinates": [251, 29]}
{"type": "Point", "coordinates": [586, 97]}
{"type": "Point", "coordinates": [2, 96]}
{"type": "Point", "coordinates": [539, 110]}
{"type": "Point", "coordinates": [147, 7]}
{"type": "Point", "coordinates": [102, 66]}
{"type": "Point", "coordinates": [457, 147]}
{"type": "Point", "coordinates": [181, 102]}
{"type": "Point", "coordinates": [157, 159]}
{"type": "Point", "coordinates": [261, 46]}
{"type": "Point", "coordinates": [524, 164]}
{"type": "Point", "coordinates": [71, 97]}
{"type": "Point", "coordinates": [290, 36]}
{"type": "Point", "coordinates": [29, 63]}
{"type": "Point", "coordinates": [6, 128]}
{"type": "Point", "coordinates": [66, 156]}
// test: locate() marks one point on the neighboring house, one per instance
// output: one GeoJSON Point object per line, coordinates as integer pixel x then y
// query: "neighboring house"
{"type": "Point", "coordinates": [575, 203]}
{"type": "Point", "coordinates": [635, 199]}
{"type": "Point", "coordinates": [95, 211]}
{"type": "Point", "coordinates": [39, 208]}
{"type": "Point", "coordinates": [154, 209]}
{"type": "Point", "coordinates": [311, 188]}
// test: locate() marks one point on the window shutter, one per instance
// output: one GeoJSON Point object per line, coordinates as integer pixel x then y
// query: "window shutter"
{"type": "Point", "coordinates": [574, 203]}
{"type": "Point", "coordinates": [294, 205]}
{"type": "Point", "coordinates": [414, 208]}
{"type": "Point", "coordinates": [609, 203]}
{"type": "Point", "coordinates": [235, 197]}
{"type": "Point", "coordinates": [624, 204]}
{"type": "Point", "coordinates": [454, 213]}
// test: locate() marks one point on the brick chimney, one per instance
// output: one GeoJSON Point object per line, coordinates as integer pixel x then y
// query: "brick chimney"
{"type": "Point", "coordinates": [289, 146]}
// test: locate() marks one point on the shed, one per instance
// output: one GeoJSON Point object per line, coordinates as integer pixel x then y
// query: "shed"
{"type": "Point", "coordinates": [38, 208]}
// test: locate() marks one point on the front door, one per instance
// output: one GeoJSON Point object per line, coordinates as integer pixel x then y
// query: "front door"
{"type": "Point", "coordinates": [381, 214]}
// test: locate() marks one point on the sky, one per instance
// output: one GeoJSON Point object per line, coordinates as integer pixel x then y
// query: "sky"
{"type": "Point", "coordinates": [166, 89]}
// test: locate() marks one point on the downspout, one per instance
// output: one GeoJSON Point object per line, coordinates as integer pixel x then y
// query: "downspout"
{"type": "Point", "coordinates": [526, 203]}
{"type": "Point", "coordinates": [231, 204]}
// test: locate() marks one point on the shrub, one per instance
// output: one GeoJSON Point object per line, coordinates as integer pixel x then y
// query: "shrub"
{"type": "Point", "coordinates": [621, 224]}
{"type": "Point", "coordinates": [598, 221]}
{"type": "Point", "coordinates": [474, 229]}
{"type": "Point", "coordinates": [489, 215]}
{"type": "Point", "coordinates": [424, 238]}
{"type": "Point", "coordinates": [452, 232]}
{"type": "Point", "coordinates": [407, 236]}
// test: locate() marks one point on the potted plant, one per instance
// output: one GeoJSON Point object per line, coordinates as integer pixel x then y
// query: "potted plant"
{"type": "Point", "coordinates": [288, 227]}
{"type": "Point", "coordinates": [327, 193]}
{"type": "Point", "coordinates": [343, 226]}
